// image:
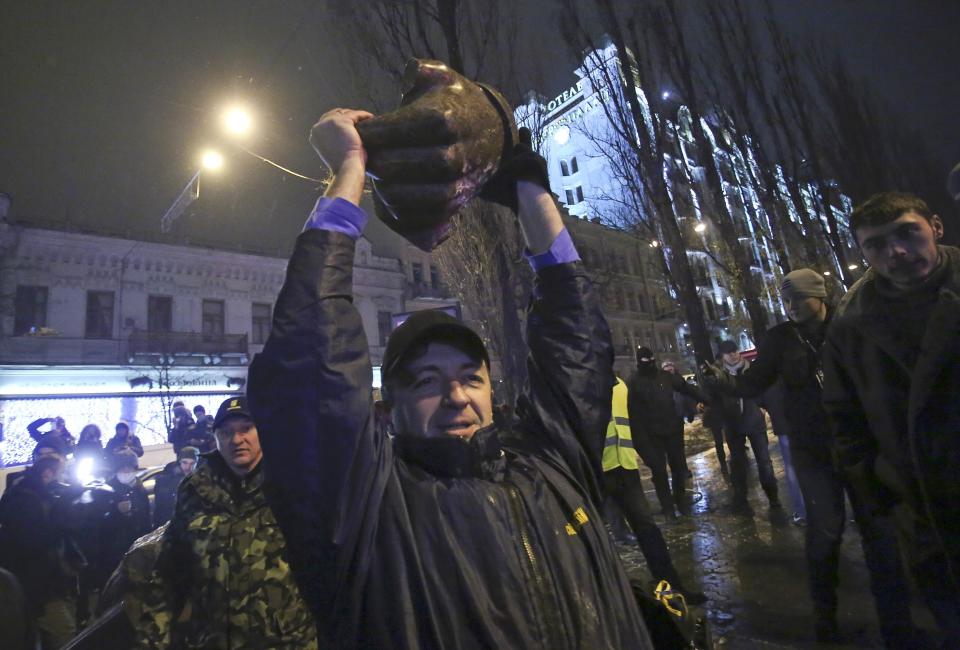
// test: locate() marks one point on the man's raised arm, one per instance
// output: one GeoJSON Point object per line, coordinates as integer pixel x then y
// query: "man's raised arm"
{"type": "Point", "coordinates": [310, 388]}
{"type": "Point", "coordinates": [571, 353]}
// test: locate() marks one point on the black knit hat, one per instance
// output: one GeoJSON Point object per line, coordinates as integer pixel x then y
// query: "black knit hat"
{"type": "Point", "coordinates": [643, 352]}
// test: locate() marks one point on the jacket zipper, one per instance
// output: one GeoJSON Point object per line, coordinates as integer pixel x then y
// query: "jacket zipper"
{"type": "Point", "coordinates": [542, 606]}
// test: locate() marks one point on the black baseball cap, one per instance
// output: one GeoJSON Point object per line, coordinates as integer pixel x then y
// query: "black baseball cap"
{"type": "Point", "coordinates": [426, 324]}
{"type": "Point", "coordinates": [232, 407]}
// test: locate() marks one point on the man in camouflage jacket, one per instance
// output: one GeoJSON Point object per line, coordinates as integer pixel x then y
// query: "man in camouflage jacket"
{"type": "Point", "coordinates": [221, 580]}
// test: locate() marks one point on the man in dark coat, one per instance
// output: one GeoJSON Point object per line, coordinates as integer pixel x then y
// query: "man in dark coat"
{"type": "Point", "coordinates": [200, 434]}
{"type": "Point", "coordinates": [457, 532]}
{"type": "Point", "coordinates": [123, 440]}
{"type": "Point", "coordinates": [128, 517]}
{"type": "Point", "coordinates": [743, 421]}
{"type": "Point", "coordinates": [657, 428]}
{"type": "Point", "coordinates": [165, 487]}
{"type": "Point", "coordinates": [35, 526]}
{"type": "Point", "coordinates": [59, 429]}
{"type": "Point", "coordinates": [790, 355]}
{"type": "Point", "coordinates": [892, 387]}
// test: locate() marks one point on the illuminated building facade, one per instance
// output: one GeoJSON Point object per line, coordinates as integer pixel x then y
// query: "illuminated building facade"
{"type": "Point", "coordinates": [573, 133]}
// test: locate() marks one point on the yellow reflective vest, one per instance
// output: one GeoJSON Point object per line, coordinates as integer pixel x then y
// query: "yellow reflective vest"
{"type": "Point", "coordinates": [618, 448]}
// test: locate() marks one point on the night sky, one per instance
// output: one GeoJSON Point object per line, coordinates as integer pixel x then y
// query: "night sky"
{"type": "Point", "coordinates": [105, 106]}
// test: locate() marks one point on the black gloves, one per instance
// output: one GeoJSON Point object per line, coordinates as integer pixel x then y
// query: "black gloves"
{"type": "Point", "coordinates": [522, 164]}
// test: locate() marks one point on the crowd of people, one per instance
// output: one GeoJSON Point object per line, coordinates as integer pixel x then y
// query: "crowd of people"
{"type": "Point", "coordinates": [306, 514]}
{"type": "Point", "coordinates": [68, 519]}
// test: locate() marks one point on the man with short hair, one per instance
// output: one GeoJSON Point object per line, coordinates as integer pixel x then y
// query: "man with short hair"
{"type": "Point", "coordinates": [222, 579]}
{"type": "Point", "coordinates": [457, 532]}
{"type": "Point", "coordinates": [892, 388]}
{"type": "Point", "coordinates": [743, 421]}
{"type": "Point", "coordinates": [789, 355]}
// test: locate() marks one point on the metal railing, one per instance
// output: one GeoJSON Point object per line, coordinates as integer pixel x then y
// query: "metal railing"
{"type": "Point", "coordinates": [65, 350]}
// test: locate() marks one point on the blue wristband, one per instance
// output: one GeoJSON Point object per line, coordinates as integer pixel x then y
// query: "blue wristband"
{"type": "Point", "coordinates": [561, 251]}
{"type": "Point", "coordinates": [338, 215]}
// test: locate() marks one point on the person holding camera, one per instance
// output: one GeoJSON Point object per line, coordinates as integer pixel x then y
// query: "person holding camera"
{"type": "Point", "coordinates": [128, 517]}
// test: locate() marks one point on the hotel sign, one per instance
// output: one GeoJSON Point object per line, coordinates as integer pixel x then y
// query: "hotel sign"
{"type": "Point", "coordinates": [567, 96]}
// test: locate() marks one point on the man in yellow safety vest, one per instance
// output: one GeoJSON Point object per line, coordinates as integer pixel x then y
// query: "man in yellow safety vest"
{"type": "Point", "coordinates": [621, 481]}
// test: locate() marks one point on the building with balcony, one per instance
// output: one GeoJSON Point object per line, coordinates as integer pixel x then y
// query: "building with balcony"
{"type": "Point", "coordinates": [95, 328]}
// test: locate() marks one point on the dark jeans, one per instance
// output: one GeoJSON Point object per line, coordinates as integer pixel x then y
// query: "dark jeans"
{"type": "Point", "coordinates": [739, 466]}
{"type": "Point", "coordinates": [626, 490]}
{"type": "Point", "coordinates": [668, 450]}
{"type": "Point", "coordinates": [932, 575]}
{"type": "Point", "coordinates": [823, 493]}
{"type": "Point", "coordinates": [717, 432]}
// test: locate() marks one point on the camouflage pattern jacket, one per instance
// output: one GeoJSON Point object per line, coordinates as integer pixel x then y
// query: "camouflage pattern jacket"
{"type": "Point", "coordinates": [221, 580]}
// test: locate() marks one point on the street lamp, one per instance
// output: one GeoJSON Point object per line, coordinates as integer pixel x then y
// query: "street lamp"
{"type": "Point", "coordinates": [700, 227]}
{"type": "Point", "coordinates": [654, 243]}
{"type": "Point", "coordinates": [853, 267]}
{"type": "Point", "coordinates": [237, 121]}
{"type": "Point", "coordinates": [210, 160]}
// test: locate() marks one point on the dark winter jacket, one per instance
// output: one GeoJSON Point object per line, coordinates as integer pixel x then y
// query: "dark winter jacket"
{"type": "Point", "coordinates": [896, 411]}
{"type": "Point", "coordinates": [165, 492]}
{"type": "Point", "coordinates": [34, 429]}
{"type": "Point", "coordinates": [740, 415]}
{"type": "Point", "coordinates": [789, 354]}
{"type": "Point", "coordinates": [221, 578]}
{"type": "Point", "coordinates": [439, 543]}
{"type": "Point", "coordinates": [200, 435]}
{"type": "Point", "coordinates": [131, 442]}
{"type": "Point", "coordinates": [118, 530]}
{"type": "Point", "coordinates": [35, 539]}
{"type": "Point", "coordinates": [650, 402]}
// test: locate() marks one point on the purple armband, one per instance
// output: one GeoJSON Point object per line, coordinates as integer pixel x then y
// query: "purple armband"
{"type": "Point", "coordinates": [338, 215]}
{"type": "Point", "coordinates": [561, 251]}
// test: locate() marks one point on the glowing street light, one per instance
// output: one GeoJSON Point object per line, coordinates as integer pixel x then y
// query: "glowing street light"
{"type": "Point", "coordinates": [853, 267]}
{"type": "Point", "coordinates": [827, 273]}
{"type": "Point", "coordinates": [700, 227]}
{"type": "Point", "coordinates": [665, 95]}
{"type": "Point", "coordinates": [654, 243]}
{"type": "Point", "coordinates": [211, 160]}
{"type": "Point", "coordinates": [237, 121]}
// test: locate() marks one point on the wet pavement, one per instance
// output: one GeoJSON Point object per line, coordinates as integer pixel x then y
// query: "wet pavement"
{"type": "Point", "coordinates": [752, 568]}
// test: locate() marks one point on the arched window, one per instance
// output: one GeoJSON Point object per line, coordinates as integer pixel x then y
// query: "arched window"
{"type": "Point", "coordinates": [573, 165]}
{"type": "Point", "coordinates": [564, 168]}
